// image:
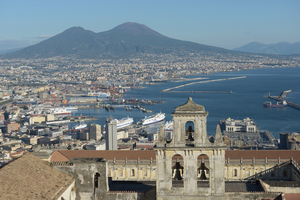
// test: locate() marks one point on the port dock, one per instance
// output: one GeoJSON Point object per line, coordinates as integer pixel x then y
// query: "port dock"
{"type": "Point", "coordinates": [282, 98]}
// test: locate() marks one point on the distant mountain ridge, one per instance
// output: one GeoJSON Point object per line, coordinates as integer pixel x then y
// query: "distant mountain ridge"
{"type": "Point", "coordinates": [278, 48]}
{"type": "Point", "coordinates": [124, 40]}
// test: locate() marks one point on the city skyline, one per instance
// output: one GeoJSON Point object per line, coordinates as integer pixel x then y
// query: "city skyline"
{"type": "Point", "coordinates": [223, 24]}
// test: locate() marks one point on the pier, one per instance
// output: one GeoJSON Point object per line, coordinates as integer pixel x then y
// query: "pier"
{"type": "Point", "coordinates": [198, 92]}
{"type": "Point", "coordinates": [281, 98]}
{"type": "Point", "coordinates": [208, 81]}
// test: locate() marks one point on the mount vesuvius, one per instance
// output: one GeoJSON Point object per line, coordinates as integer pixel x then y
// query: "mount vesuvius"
{"type": "Point", "coordinates": [125, 40]}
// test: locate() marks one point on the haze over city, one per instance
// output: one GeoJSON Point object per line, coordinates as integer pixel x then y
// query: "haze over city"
{"type": "Point", "coordinates": [226, 24]}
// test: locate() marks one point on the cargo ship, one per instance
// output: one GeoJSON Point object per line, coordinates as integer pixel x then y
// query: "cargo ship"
{"type": "Point", "coordinates": [159, 117]}
{"type": "Point", "coordinates": [124, 122]}
{"type": "Point", "coordinates": [278, 104]}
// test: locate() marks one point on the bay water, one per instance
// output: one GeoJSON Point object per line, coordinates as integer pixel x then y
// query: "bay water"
{"type": "Point", "coordinates": [246, 99]}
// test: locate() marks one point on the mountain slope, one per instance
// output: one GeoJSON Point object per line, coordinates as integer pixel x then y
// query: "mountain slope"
{"type": "Point", "coordinates": [278, 48]}
{"type": "Point", "coordinates": [124, 40]}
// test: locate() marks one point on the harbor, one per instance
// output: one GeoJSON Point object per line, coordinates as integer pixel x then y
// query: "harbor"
{"type": "Point", "coordinates": [282, 98]}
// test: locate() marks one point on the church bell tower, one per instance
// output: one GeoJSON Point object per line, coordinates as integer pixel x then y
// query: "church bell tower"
{"type": "Point", "coordinates": [190, 166]}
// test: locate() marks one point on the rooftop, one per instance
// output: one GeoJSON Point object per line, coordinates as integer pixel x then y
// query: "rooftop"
{"type": "Point", "coordinates": [66, 155]}
{"type": "Point", "coordinates": [28, 177]}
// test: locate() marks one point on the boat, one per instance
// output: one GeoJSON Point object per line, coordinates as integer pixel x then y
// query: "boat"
{"type": "Point", "coordinates": [126, 121]}
{"type": "Point", "coordinates": [153, 119]}
{"type": "Point", "coordinates": [81, 125]}
{"type": "Point", "coordinates": [98, 94]}
{"type": "Point", "coordinates": [70, 108]}
{"type": "Point", "coordinates": [59, 111]}
{"type": "Point", "coordinates": [168, 126]}
{"type": "Point", "coordinates": [278, 104]}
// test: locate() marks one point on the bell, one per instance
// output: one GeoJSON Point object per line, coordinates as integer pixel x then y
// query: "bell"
{"type": "Point", "coordinates": [177, 175]}
{"type": "Point", "coordinates": [203, 176]}
{"type": "Point", "coordinates": [202, 168]}
{"type": "Point", "coordinates": [190, 136]}
{"type": "Point", "coordinates": [176, 167]}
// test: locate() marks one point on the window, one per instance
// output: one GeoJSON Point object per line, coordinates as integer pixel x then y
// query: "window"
{"type": "Point", "coordinates": [272, 173]}
{"type": "Point", "coordinates": [132, 172]}
{"type": "Point", "coordinates": [96, 180]}
{"type": "Point", "coordinates": [235, 173]}
{"type": "Point", "coordinates": [285, 174]}
{"type": "Point", "coordinates": [121, 173]}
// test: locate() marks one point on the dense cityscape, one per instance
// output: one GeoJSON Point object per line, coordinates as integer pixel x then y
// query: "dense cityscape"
{"type": "Point", "coordinates": [93, 112]}
{"type": "Point", "coordinates": [27, 84]}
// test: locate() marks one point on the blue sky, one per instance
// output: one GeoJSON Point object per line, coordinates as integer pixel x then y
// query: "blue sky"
{"type": "Point", "coordinates": [221, 23]}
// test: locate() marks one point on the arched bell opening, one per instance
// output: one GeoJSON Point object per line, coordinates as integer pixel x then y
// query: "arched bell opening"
{"type": "Point", "coordinates": [203, 175]}
{"type": "Point", "coordinates": [96, 180]}
{"type": "Point", "coordinates": [189, 133]}
{"type": "Point", "coordinates": [177, 170]}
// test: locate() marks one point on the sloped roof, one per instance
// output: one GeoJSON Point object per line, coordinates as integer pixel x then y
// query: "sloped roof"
{"type": "Point", "coordinates": [29, 177]}
{"type": "Point", "coordinates": [66, 155]}
{"type": "Point", "coordinates": [189, 106]}
{"type": "Point", "coordinates": [262, 154]}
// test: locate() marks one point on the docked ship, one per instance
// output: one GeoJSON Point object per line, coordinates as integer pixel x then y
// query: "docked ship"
{"type": "Point", "coordinates": [278, 104]}
{"type": "Point", "coordinates": [59, 111]}
{"type": "Point", "coordinates": [71, 108]}
{"type": "Point", "coordinates": [168, 126]}
{"type": "Point", "coordinates": [81, 125]}
{"type": "Point", "coordinates": [98, 94]}
{"type": "Point", "coordinates": [126, 121]}
{"type": "Point", "coordinates": [159, 117]}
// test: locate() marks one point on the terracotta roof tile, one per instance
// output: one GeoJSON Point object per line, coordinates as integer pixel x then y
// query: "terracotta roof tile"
{"type": "Point", "coordinates": [262, 154]}
{"type": "Point", "coordinates": [29, 177]}
{"type": "Point", "coordinates": [291, 196]}
{"type": "Point", "coordinates": [66, 155]}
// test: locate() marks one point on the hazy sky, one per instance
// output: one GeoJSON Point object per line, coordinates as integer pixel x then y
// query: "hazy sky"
{"type": "Point", "coordinates": [221, 23]}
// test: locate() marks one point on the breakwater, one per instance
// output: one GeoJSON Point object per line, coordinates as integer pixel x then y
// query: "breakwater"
{"type": "Point", "coordinates": [208, 81]}
{"type": "Point", "coordinates": [198, 92]}
{"type": "Point", "coordinates": [291, 104]}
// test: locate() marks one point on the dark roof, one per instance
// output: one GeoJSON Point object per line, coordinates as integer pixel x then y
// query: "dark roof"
{"type": "Point", "coordinates": [242, 186]}
{"type": "Point", "coordinates": [29, 177]}
{"type": "Point", "coordinates": [131, 186]}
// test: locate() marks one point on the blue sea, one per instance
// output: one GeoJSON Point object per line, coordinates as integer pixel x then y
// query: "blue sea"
{"type": "Point", "coordinates": [246, 99]}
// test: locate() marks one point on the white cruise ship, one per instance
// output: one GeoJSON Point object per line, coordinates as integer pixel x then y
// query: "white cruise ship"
{"type": "Point", "coordinates": [99, 94]}
{"type": "Point", "coordinates": [168, 126]}
{"type": "Point", "coordinates": [81, 125]}
{"type": "Point", "coordinates": [153, 119]}
{"type": "Point", "coordinates": [58, 111]}
{"type": "Point", "coordinates": [71, 108]}
{"type": "Point", "coordinates": [124, 122]}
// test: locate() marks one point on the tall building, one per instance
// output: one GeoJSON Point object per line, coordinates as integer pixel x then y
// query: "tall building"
{"type": "Point", "coordinates": [111, 134]}
{"type": "Point", "coordinates": [95, 132]}
{"type": "Point", "coordinates": [290, 141]}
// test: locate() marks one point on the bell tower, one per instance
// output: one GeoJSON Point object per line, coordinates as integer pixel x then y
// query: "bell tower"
{"type": "Point", "coordinates": [190, 166]}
